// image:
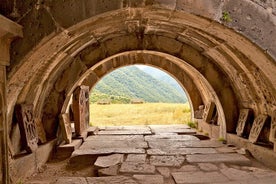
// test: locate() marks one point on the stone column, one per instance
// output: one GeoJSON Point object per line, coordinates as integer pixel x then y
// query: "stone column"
{"type": "Point", "coordinates": [8, 31]}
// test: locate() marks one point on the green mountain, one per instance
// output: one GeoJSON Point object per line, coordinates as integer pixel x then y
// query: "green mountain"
{"type": "Point", "coordinates": [127, 83]}
{"type": "Point", "coordinates": [162, 76]}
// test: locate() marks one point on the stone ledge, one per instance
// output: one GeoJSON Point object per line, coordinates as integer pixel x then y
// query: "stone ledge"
{"type": "Point", "coordinates": [260, 153]}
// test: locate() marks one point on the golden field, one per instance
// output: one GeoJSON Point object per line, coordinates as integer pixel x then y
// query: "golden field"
{"type": "Point", "coordinates": [139, 114]}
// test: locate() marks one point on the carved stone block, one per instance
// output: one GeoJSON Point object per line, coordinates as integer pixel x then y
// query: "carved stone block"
{"type": "Point", "coordinates": [272, 135]}
{"type": "Point", "coordinates": [65, 126]}
{"type": "Point", "coordinates": [25, 118]}
{"type": "Point", "coordinates": [244, 118]}
{"type": "Point", "coordinates": [208, 112]}
{"type": "Point", "coordinates": [257, 127]}
{"type": "Point", "coordinates": [81, 109]}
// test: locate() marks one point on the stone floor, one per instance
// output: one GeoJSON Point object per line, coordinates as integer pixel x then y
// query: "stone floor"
{"type": "Point", "coordinates": [161, 155]}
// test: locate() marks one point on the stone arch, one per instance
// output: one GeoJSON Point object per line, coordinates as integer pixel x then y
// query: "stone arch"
{"type": "Point", "coordinates": [197, 88]}
{"type": "Point", "coordinates": [235, 68]}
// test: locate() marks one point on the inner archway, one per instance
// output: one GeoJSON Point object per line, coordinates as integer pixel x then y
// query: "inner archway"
{"type": "Point", "coordinates": [138, 95]}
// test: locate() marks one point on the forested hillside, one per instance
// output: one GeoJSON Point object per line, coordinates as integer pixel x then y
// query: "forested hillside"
{"type": "Point", "coordinates": [127, 83]}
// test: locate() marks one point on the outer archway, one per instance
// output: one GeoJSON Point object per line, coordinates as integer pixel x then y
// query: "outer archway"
{"type": "Point", "coordinates": [228, 64]}
{"type": "Point", "coordinates": [240, 73]}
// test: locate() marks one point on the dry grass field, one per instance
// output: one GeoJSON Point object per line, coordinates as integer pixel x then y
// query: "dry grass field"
{"type": "Point", "coordinates": [139, 114]}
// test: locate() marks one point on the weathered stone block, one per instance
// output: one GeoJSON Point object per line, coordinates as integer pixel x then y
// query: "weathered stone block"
{"type": "Point", "coordinates": [110, 171]}
{"type": "Point", "coordinates": [171, 161]}
{"type": "Point", "coordinates": [65, 125]}
{"type": "Point", "coordinates": [257, 127]}
{"type": "Point", "coordinates": [111, 179]}
{"type": "Point", "coordinates": [208, 112]}
{"type": "Point", "coordinates": [25, 118]}
{"type": "Point", "coordinates": [81, 109]}
{"type": "Point", "coordinates": [149, 179]}
{"type": "Point", "coordinates": [198, 177]}
{"type": "Point", "coordinates": [139, 158]}
{"type": "Point", "coordinates": [244, 118]}
{"type": "Point", "coordinates": [110, 160]}
{"type": "Point", "coordinates": [137, 168]}
{"type": "Point", "coordinates": [217, 158]}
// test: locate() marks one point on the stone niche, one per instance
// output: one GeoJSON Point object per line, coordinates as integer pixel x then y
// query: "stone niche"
{"type": "Point", "coordinates": [81, 109]}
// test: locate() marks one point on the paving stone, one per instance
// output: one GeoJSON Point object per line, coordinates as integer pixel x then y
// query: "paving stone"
{"type": "Point", "coordinates": [115, 138]}
{"type": "Point", "coordinates": [111, 179]}
{"type": "Point", "coordinates": [113, 144]}
{"type": "Point", "coordinates": [139, 158]}
{"type": "Point", "coordinates": [171, 137]}
{"type": "Point", "coordinates": [171, 161]}
{"type": "Point", "coordinates": [71, 180]}
{"type": "Point", "coordinates": [137, 168]}
{"type": "Point", "coordinates": [110, 160]}
{"type": "Point", "coordinates": [225, 150]}
{"type": "Point", "coordinates": [220, 157]}
{"type": "Point", "coordinates": [179, 130]}
{"type": "Point", "coordinates": [183, 144]}
{"type": "Point", "coordinates": [149, 179]}
{"type": "Point", "coordinates": [125, 132]}
{"type": "Point", "coordinates": [198, 177]}
{"type": "Point", "coordinates": [105, 151]}
{"type": "Point", "coordinates": [236, 174]}
{"type": "Point", "coordinates": [187, 168]}
{"type": "Point", "coordinates": [110, 171]}
{"type": "Point", "coordinates": [208, 167]}
{"type": "Point", "coordinates": [135, 127]}
{"type": "Point", "coordinates": [259, 172]}
{"type": "Point", "coordinates": [164, 171]}
{"type": "Point", "coordinates": [180, 151]}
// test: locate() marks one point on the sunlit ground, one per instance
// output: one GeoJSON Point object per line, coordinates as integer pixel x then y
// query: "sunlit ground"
{"type": "Point", "coordinates": [139, 114]}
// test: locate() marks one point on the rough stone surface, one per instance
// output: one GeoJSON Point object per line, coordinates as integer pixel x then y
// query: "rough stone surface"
{"type": "Point", "coordinates": [105, 151]}
{"type": "Point", "coordinates": [149, 179]}
{"type": "Point", "coordinates": [115, 138]}
{"type": "Point", "coordinates": [137, 168]}
{"type": "Point", "coordinates": [235, 174]}
{"type": "Point", "coordinates": [184, 144]}
{"type": "Point", "coordinates": [180, 151]}
{"type": "Point", "coordinates": [125, 132]}
{"type": "Point", "coordinates": [111, 179]}
{"type": "Point", "coordinates": [66, 150]}
{"type": "Point", "coordinates": [198, 177]}
{"type": "Point", "coordinates": [139, 158]}
{"type": "Point", "coordinates": [110, 171]}
{"type": "Point", "coordinates": [113, 144]}
{"type": "Point", "coordinates": [208, 167]}
{"type": "Point", "coordinates": [216, 158]}
{"type": "Point", "coordinates": [73, 180]}
{"type": "Point", "coordinates": [171, 161]}
{"type": "Point", "coordinates": [111, 160]}
{"type": "Point", "coordinates": [171, 137]}
{"type": "Point", "coordinates": [188, 168]}
{"type": "Point", "coordinates": [164, 171]}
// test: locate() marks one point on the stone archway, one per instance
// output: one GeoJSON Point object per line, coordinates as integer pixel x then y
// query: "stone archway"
{"type": "Point", "coordinates": [237, 70]}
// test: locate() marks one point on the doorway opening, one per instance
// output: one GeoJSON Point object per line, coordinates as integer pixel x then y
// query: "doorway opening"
{"type": "Point", "coordinates": [138, 95]}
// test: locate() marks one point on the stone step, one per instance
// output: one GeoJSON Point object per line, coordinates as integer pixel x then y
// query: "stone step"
{"type": "Point", "coordinates": [180, 151]}
{"type": "Point", "coordinates": [124, 132]}
{"type": "Point", "coordinates": [65, 151]}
